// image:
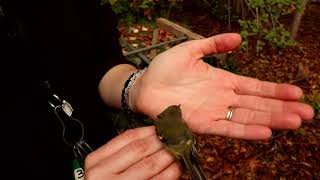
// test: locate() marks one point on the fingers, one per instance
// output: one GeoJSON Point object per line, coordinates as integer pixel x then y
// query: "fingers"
{"type": "Point", "coordinates": [173, 172]}
{"type": "Point", "coordinates": [152, 165]}
{"type": "Point", "coordinates": [273, 105]}
{"type": "Point", "coordinates": [117, 143]}
{"type": "Point", "coordinates": [135, 154]}
{"type": "Point", "coordinates": [251, 86]}
{"type": "Point", "coordinates": [272, 120]}
{"type": "Point", "coordinates": [215, 44]}
{"type": "Point", "coordinates": [235, 130]}
{"type": "Point", "coordinates": [131, 154]}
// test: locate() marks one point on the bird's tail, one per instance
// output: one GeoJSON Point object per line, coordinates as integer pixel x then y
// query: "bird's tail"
{"type": "Point", "coordinates": [193, 165]}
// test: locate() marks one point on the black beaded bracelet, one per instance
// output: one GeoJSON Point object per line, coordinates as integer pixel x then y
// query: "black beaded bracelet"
{"type": "Point", "coordinates": [125, 91]}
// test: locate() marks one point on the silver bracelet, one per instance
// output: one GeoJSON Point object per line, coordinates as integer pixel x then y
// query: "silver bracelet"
{"type": "Point", "coordinates": [125, 92]}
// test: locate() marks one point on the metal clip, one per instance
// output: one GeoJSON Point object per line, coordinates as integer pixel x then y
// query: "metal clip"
{"type": "Point", "coordinates": [55, 101]}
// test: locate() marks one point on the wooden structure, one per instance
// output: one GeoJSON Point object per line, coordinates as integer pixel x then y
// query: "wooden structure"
{"type": "Point", "coordinates": [180, 32]}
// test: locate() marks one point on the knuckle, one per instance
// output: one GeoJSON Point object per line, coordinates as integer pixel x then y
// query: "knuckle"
{"type": "Point", "coordinates": [130, 133]}
{"type": "Point", "coordinates": [283, 107]}
{"type": "Point", "coordinates": [259, 103]}
{"type": "Point", "coordinates": [139, 146]}
{"type": "Point", "coordinates": [188, 44]}
{"type": "Point", "coordinates": [251, 115]}
{"type": "Point", "coordinates": [236, 101]}
{"type": "Point", "coordinates": [258, 85]}
{"type": "Point", "coordinates": [150, 163]}
{"type": "Point", "coordinates": [229, 130]}
{"type": "Point", "coordinates": [95, 174]}
{"type": "Point", "coordinates": [88, 161]}
{"type": "Point", "coordinates": [185, 44]}
{"type": "Point", "coordinates": [173, 172]}
{"type": "Point", "coordinates": [89, 173]}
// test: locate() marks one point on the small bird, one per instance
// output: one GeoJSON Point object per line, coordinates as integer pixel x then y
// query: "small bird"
{"type": "Point", "coordinates": [178, 139]}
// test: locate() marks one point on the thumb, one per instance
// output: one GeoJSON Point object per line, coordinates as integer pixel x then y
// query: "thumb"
{"type": "Point", "coordinates": [213, 45]}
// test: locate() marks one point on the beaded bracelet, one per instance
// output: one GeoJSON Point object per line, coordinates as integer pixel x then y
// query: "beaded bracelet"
{"type": "Point", "coordinates": [125, 91]}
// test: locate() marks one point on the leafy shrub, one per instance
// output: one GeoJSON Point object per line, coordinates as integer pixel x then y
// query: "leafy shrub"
{"type": "Point", "coordinates": [130, 11]}
{"type": "Point", "coordinates": [259, 20]}
{"type": "Point", "coordinates": [262, 24]}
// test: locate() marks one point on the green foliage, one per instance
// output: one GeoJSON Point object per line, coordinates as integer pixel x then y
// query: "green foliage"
{"type": "Point", "coordinates": [316, 107]}
{"type": "Point", "coordinates": [314, 100]}
{"type": "Point", "coordinates": [300, 132]}
{"type": "Point", "coordinates": [220, 8]}
{"type": "Point", "coordinates": [262, 26]}
{"type": "Point", "coordinates": [230, 65]}
{"type": "Point", "coordinates": [279, 37]}
{"type": "Point", "coordinates": [258, 19]}
{"type": "Point", "coordinates": [316, 104]}
{"type": "Point", "coordinates": [131, 11]}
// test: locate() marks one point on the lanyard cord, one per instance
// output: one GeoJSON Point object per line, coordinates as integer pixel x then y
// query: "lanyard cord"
{"type": "Point", "coordinates": [72, 123]}
{"type": "Point", "coordinates": [63, 112]}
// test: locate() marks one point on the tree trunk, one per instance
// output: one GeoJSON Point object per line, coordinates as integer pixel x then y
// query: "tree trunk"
{"type": "Point", "coordinates": [297, 20]}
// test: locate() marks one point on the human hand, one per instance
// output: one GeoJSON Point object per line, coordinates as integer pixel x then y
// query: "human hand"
{"type": "Point", "coordinates": [134, 154]}
{"type": "Point", "coordinates": [179, 76]}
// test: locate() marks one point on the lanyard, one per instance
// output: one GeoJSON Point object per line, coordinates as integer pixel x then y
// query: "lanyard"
{"type": "Point", "coordinates": [72, 131]}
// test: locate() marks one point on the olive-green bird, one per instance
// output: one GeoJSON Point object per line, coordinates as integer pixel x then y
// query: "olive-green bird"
{"type": "Point", "coordinates": [179, 140]}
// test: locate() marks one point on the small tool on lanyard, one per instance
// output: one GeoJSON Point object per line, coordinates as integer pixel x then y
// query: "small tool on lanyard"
{"type": "Point", "coordinates": [72, 133]}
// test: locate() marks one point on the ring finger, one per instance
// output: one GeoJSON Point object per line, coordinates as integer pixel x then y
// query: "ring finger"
{"type": "Point", "coordinates": [283, 120]}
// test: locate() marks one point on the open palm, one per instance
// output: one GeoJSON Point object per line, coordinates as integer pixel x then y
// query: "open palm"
{"type": "Point", "coordinates": [179, 76]}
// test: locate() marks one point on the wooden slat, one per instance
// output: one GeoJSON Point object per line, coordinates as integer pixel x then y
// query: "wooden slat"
{"type": "Point", "coordinates": [176, 29]}
{"type": "Point", "coordinates": [153, 52]}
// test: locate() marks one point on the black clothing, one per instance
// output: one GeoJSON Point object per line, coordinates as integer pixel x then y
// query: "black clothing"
{"type": "Point", "coordinates": [71, 43]}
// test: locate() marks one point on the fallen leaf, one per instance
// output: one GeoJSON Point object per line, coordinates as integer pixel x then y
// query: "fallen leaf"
{"type": "Point", "coordinates": [210, 159]}
{"type": "Point", "coordinates": [132, 38]}
{"type": "Point", "coordinates": [144, 28]}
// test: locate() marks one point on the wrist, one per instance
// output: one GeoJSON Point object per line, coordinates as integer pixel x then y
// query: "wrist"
{"type": "Point", "coordinates": [131, 92]}
{"type": "Point", "coordinates": [112, 83]}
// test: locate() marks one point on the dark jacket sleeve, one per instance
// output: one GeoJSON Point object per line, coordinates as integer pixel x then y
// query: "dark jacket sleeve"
{"type": "Point", "coordinates": [110, 36]}
{"type": "Point", "coordinates": [67, 32]}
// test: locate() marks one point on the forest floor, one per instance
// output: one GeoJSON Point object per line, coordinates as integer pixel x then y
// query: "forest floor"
{"type": "Point", "coordinates": [289, 154]}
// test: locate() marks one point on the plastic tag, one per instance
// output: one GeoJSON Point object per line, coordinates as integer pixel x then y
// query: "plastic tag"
{"type": "Point", "coordinates": [78, 173]}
